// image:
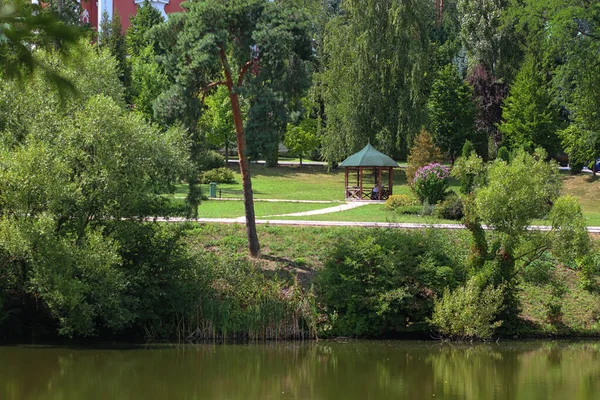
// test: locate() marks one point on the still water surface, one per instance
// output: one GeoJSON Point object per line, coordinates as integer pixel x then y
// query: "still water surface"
{"type": "Point", "coordinates": [357, 370]}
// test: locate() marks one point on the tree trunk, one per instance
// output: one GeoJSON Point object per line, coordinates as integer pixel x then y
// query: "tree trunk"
{"type": "Point", "coordinates": [253, 244]}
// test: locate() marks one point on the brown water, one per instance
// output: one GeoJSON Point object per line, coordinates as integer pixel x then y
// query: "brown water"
{"type": "Point", "coordinates": [326, 370]}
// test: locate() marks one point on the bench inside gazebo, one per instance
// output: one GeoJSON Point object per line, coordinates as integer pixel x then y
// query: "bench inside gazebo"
{"type": "Point", "coordinates": [369, 166]}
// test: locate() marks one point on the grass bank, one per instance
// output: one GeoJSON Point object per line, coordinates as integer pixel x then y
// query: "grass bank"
{"type": "Point", "coordinates": [298, 254]}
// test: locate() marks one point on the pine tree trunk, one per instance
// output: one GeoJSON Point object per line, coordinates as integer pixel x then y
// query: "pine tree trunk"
{"type": "Point", "coordinates": [253, 244]}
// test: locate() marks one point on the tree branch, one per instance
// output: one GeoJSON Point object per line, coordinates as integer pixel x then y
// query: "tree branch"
{"type": "Point", "coordinates": [590, 35]}
{"type": "Point", "coordinates": [208, 87]}
{"type": "Point", "coordinates": [243, 71]}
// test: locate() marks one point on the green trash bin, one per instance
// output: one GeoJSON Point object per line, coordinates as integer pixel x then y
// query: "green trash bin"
{"type": "Point", "coordinates": [213, 189]}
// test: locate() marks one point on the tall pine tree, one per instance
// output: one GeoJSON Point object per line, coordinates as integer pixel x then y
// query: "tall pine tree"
{"type": "Point", "coordinates": [530, 116]}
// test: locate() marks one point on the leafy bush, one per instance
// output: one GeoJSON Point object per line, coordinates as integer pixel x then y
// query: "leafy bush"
{"type": "Point", "coordinates": [590, 272]}
{"type": "Point", "coordinates": [503, 154]}
{"type": "Point", "coordinates": [427, 209]}
{"type": "Point", "coordinates": [469, 312]}
{"type": "Point", "coordinates": [470, 171]}
{"type": "Point", "coordinates": [399, 200]}
{"type": "Point", "coordinates": [576, 168]}
{"type": "Point", "coordinates": [467, 149]}
{"type": "Point", "coordinates": [210, 160]}
{"type": "Point", "coordinates": [431, 182]}
{"type": "Point", "coordinates": [382, 282]}
{"type": "Point", "coordinates": [450, 208]}
{"type": "Point", "coordinates": [219, 175]}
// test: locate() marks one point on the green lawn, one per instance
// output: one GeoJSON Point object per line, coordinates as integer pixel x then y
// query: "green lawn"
{"type": "Point", "coordinates": [298, 183]}
{"type": "Point", "coordinates": [316, 183]}
{"type": "Point", "coordinates": [262, 209]}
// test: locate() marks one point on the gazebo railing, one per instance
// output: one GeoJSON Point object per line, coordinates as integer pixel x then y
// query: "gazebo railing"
{"type": "Point", "coordinates": [356, 193]}
{"type": "Point", "coordinates": [353, 193]}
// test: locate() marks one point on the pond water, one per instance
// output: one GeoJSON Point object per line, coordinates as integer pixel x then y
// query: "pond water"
{"type": "Point", "coordinates": [325, 370]}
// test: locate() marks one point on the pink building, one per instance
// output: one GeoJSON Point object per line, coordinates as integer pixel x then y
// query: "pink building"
{"type": "Point", "coordinates": [93, 9]}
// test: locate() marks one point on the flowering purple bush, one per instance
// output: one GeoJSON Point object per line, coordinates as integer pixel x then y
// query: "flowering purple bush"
{"type": "Point", "coordinates": [431, 182]}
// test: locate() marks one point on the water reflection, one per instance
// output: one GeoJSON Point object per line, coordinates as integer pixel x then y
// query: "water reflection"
{"type": "Point", "coordinates": [324, 370]}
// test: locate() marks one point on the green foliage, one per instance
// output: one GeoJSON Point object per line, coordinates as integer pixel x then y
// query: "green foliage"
{"type": "Point", "coordinates": [450, 208]}
{"type": "Point", "coordinates": [488, 41]}
{"type": "Point", "coordinates": [71, 172]}
{"type": "Point", "coordinates": [383, 282]}
{"type": "Point", "coordinates": [112, 38]}
{"type": "Point", "coordinates": [375, 77]}
{"type": "Point", "coordinates": [431, 182]}
{"type": "Point", "coordinates": [217, 120]}
{"type": "Point", "coordinates": [302, 140]}
{"type": "Point", "coordinates": [244, 304]}
{"type": "Point", "coordinates": [571, 240]}
{"type": "Point", "coordinates": [467, 149]}
{"type": "Point", "coordinates": [36, 107]}
{"type": "Point", "coordinates": [565, 34]}
{"type": "Point", "coordinates": [422, 152]}
{"type": "Point", "coordinates": [218, 175]}
{"type": "Point", "coordinates": [147, 82]}
{"type": "Point", "coordinates": [140, 24]}
{"type": "Point", "coordinates": [540, 271]}
{"type": "Point", "coordinates": [272, 37]}
{"type": "Point", "coordinates": [451, 111]}
{"type": "Point", "coordinates": [25, 26]}
{"type": "Point", "coordinates": [410, 210]}
{"type": "Point", "coordinates": [470, 171]}
{"type": "Point", "coordinates": [400, 200]}
{"type": "Point", "coordinates": [504, 154]}
{"type": "Point", "coordinates": [590, 271]}
{"type": "Point", "coordinates": [211, 160]}
{"type": "Point", "coordinates": [517, 193]}
{"type": "Point", "coordinates": [530, 114]}
{"type": "Point", "coordinates": [468, 312]}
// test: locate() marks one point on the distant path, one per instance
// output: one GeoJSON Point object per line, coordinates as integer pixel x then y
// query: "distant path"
{"type": "Point", "coordinates": [392, 225]}
{"type": "Point", "coordinates": [343, 207]}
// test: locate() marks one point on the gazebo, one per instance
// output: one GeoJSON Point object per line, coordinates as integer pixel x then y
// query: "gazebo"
{"type": "Point", "coordinates": [375, 164]}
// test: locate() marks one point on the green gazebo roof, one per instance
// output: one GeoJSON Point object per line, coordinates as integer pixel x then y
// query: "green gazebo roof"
{"type": "Point", "coordinates": [369, 157]}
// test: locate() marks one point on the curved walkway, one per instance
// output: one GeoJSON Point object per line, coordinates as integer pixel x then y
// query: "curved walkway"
{"type": "Point", "coordinates": [328, 210]}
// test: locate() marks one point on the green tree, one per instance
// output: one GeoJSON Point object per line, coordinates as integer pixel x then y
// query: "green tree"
{"type": "Point", "coordinates": [566, 34]}
{"type": "Point", "coordinates": [530, 114]}
{"type": "Point", "coordinates": [148, 81]}
{"type": "Point", "coordinates": [422, 152]}
{"type": "Point", "coordinates": [515, 194]}
{"type": "Point", "coordinates": [451, 111]}
{"type": "Point", "coordinates": [490, 40]}
{"type": "Point", "coordinates": [112, 37]}
{"type": "Point", "coordinates": [140, 24]}
{"type": "Point", "coordinates": [256, 49]}
{"type": "Point", "coordinates": [302, 139]}
{"type": "Point", "coordinates": [217, 120]}
{"type": "Point", "coordinates": [71, 173]}
{"type": "Point", "coordinates": [376, 58]}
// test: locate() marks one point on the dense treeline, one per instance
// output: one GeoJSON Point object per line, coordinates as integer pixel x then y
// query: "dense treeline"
{"type": "Point", "coordinates": [93, 130]}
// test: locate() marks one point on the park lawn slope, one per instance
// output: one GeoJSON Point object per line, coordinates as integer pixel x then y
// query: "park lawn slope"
{"type": "Point", "coordinates": [299, 253]}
